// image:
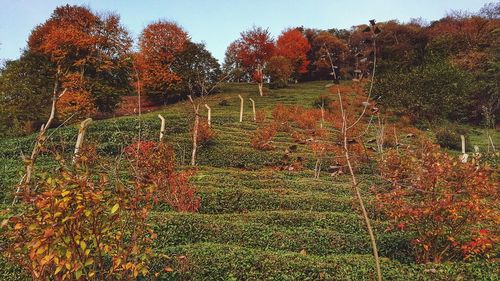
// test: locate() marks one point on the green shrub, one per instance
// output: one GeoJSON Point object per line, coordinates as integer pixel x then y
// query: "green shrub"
{"type": "Point", "coordinates": [449, 137]}
{"type": "Point", "coordinates": [208, 261]}
{"type": "Point", "coordinates": [435, 90]}
{"type": "Point", "coordinates": [185, 229]}
{"type": "Point", "coordinates": [322, 101]}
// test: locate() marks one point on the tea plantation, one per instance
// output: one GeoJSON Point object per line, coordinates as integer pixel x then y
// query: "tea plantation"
{"type": "Point", "coordinates": [255, 222]}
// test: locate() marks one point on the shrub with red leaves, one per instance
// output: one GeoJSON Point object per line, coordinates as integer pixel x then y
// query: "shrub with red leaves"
{"type": "Point", "coordinates": [263, 137]}
{"type": "Point", "coordinates": [260, 116]}
{"type": "Point", "coordinates": [205, 133]}
{"type": "Point", "coordinates": [281, 116]}
{"type": "Point", "coordinates": [446, 204]}
{"type": "Point", "coordinates": [154, 163]}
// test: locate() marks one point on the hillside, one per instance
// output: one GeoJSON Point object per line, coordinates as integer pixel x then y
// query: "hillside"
{"type": "Point", "coordinates": [255, 221]}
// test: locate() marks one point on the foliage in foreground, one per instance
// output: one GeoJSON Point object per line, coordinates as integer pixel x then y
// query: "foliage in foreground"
{"type": "Point", "coordinates": [448, 204]}
{"type": "Point", "coordinates": [85, 223]}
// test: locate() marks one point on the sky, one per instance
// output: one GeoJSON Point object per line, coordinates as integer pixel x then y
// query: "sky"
{"type": "Point", "coordinates": [219, 22]}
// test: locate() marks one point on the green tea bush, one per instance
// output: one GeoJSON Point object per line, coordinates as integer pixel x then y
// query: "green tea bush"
{"type": "Point", "coordinates": [449, 137]}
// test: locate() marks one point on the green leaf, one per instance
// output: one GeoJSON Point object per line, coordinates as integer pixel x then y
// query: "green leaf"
{"type": "Point", "coordinates": [115, 208]}
{"type": "Point", "coordinates": [89, 262]}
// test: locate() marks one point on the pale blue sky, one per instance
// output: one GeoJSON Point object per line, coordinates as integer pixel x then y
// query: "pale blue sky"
{"type": "Point", "coordinates": [219, 22]}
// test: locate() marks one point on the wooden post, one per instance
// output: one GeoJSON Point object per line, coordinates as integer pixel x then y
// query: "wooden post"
{"type": "Point", "coordinates": [209, 118]}
{"type": "Point", "coordinates": [253, 109]}
{"type": "Point", "coordinates": [196, 108]}
{"type": "Point", "coordinates": [81, 135]}
{"type": "Point", "coordinates": [492, 145]}
{"type": "Point", "coordinates": [464, 155]}
{"type": "Point", "coordinates": [241, 109]}
{"type": "Point", "coordinates": [162, 127]}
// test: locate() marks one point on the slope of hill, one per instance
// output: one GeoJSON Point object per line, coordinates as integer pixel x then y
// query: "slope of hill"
{"type": "Point", "coordinates": [255, 222]}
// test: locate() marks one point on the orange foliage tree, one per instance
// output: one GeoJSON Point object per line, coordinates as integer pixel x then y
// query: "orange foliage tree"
{"type": "Point", "coordinates": [322, 44]}
{"type": "Point", "coordinates": [159, 43]}
{"type": "Point", "coordinates": [94, 47]}
{"type": "Point", "coordinates": [254, 49]}
{"type": "Point", "coordinates": [293, 45]}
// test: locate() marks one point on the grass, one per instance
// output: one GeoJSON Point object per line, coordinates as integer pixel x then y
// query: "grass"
{"type": "Point", "coordinates": [255, 222]}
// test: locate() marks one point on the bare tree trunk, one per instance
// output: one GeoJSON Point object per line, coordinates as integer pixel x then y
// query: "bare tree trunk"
{"type": "Point", "coordinates": [241, 108]}
{"type": "Point", "coordinates": [162, 127]}
{"type": "Point", "coordinates": [209, 115]}
{"type": "Point", "coordinates": [195, 130]}
{"type": "Point", "coordinates": [344, 130]}
{"type": "Point", "coordinates": [39, 142]}
{"type": "Point", "coordinates": [81, 135]}
{"type": "Point", "coordinates": [380, 135]}
{"type": "Point", "coordinates": [261, 80]}
{"type": "Point", "coordinates": [354, 182]}
{"type": "Point", "coordinates": [253, 109]}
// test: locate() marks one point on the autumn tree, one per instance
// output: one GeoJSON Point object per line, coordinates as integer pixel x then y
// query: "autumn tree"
{"type": "Point", "coordinates": [293, 45]}
{"type": "Point", "coordinates": [93, 47]}
{"type": "Point", "coordinates": [254, 49]}
{"type": "Point", "coordinates": [159, 44]}
{"type": "Point", "coordinates": [232, 66]}
{"type": "Point", "coordinates": [280, 70]}
{"type": "Point", "coordinates": [197, 69]}
{"type": "Point", "coordinates": [322, 44]}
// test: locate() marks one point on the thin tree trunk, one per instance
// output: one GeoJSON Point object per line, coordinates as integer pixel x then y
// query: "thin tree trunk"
{"type": "Point", "coordinates": [354, 182]}
{"type": "Point", "coordinates": [260, 73]}
{"type": "Point", "coordinates": [81, 135]}
{"type": "Point", "coordinates": [39, 142]}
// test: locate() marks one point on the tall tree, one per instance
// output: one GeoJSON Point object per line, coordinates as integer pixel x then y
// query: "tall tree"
{"type": "Point", "coordinates": [197, 68]}
{"type": "Point", "coordinates": [83, 44]}
{"type": "Point", "coordinates": [232, 65]}
{"type": "Point", "coordinates": [293, 45]}
{"type": "Point", "coordinates": [279, 69]}
{"type": "Point", "coordinates": [322, 44]}
{"type": "Point", "coordinates": [25, 91]}
{"type": "Point", "coordinates": [159, 44]}
{"type": "Point", "coordinates": [254, 49]}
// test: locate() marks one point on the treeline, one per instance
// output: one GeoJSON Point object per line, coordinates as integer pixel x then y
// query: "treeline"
{"type": "Point", "coordinates": [88, 61]}
{"type": "Point", "coordinates": [444, 70]}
